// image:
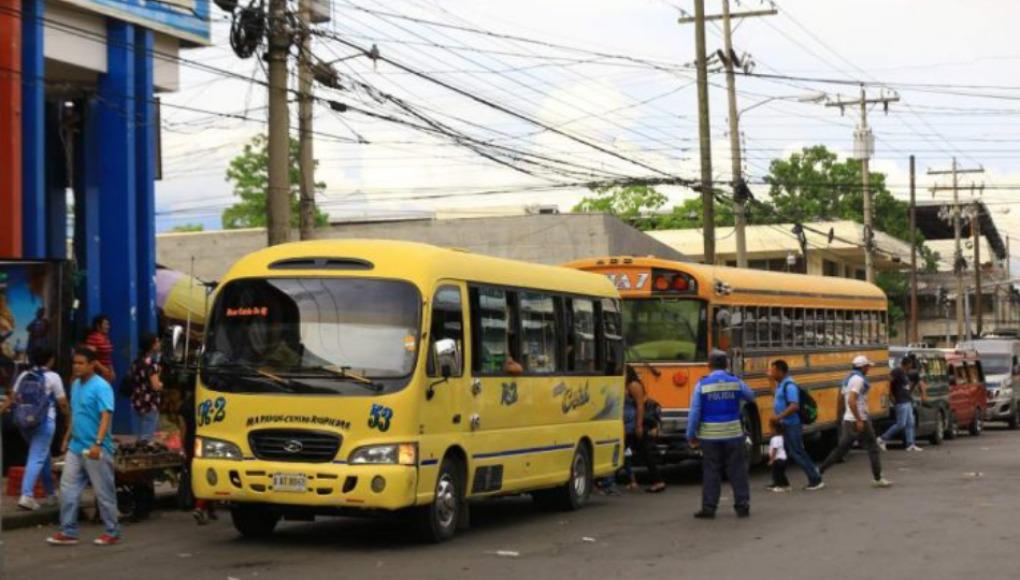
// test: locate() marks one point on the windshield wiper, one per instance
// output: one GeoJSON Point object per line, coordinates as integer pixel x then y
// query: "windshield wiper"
{"type": "Point", "coordinates": [252, 370]}
{"type": "Point", "coordinates": [345, 373]}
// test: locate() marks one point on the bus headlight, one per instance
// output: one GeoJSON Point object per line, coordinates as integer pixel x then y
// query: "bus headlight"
{"type": "Point", "coordinates": [395, 454]}
{"type": "Point", "coordinates": [206, 448]}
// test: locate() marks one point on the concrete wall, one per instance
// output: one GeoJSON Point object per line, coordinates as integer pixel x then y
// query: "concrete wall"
{"type": "Point", "coordinates": [546, 239]}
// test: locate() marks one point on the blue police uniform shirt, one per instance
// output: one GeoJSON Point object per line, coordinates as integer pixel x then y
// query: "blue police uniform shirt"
{"type": "Point", "coordinates": [715, 407]}
{"type": "Point", "coordinates": [88, 402]}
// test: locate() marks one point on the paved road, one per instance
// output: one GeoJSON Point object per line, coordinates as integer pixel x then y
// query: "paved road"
{"type": "Point", "coordinates": [941, 520]}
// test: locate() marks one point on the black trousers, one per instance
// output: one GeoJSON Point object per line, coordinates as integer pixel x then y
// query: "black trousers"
{"type": "Point", "coordinates": [849, 434]}
{"type": "Point", "coordinates": [641, 447]}
{"type": "Point", "coordinates": [779, 474]}
{"type": "Point", "coordinates": [730, 456]}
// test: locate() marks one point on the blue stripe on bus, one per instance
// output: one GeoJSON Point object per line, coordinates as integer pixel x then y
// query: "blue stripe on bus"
{"type": "Point", "coordinates": [607, 442]}
{"type": "Point", "coordinates": [523, 451]}
{"type": "Point", "coordinates": [429, 461]}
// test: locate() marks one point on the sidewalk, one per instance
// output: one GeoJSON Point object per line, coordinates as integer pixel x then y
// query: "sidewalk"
{"type": "Point", "coordinates": [13, 517]}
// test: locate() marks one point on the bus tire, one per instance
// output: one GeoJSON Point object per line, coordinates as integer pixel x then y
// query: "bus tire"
{"type": "Point", "coordinates": [575, 492]}
{"type": "Point", "coordinates": [254, 520]}
{"type": "Point", "coordinates": [940, 429]}
{"type": "Point", "coordinates": [977, 425]}
{"type": "Point", "coordinates": [438, 521]}
{"type": "Point", "coordinates": [952, 428]}
{"type": "Point", "coordinates": [752, 436]}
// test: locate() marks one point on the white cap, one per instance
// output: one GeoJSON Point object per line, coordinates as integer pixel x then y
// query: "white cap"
{"type": "Point", "coordinates": [862, 361]}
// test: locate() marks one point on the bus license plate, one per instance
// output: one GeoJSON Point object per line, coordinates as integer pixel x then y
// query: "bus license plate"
{"type": "Point", "coordinates": [294, 482]}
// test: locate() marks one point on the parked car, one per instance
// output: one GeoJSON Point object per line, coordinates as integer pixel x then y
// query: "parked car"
{"type": "Point", "coordinates": [968, 397]}
{"type": "Point", "coordinates": [932, 413]}
{"type": "Point", "coordinates": [1000, 359]}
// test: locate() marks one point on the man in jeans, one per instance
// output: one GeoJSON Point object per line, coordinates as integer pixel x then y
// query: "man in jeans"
{"type": "Point", "coordinates": [89, 453]}
{"type": "Point", "coordinates": [900, 383]}
{"type": "Point", "coordinates": [786, 406]}
{"type": "Point", "coordinates": [714, 425]}
{"type": "Point", "coordinates": [856, 424]}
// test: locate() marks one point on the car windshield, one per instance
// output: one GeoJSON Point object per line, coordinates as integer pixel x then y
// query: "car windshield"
{"type": "Point", "coordinates": [996, 364]}
{"type": "Point", "coordinates": [312, 335]}
{"type": "Point", "coordinates": [665, 330]}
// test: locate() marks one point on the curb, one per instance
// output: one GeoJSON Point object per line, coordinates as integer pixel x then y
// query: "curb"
{"type": "Point", "coordinates": [51, 515]}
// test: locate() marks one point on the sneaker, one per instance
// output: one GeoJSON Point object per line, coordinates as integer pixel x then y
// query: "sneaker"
{"type": "Point", "coordinates": [881, 444]}
{"type": "Point", "coordinates": [106, 540]}
{"type": "Point", "coordinates": [201, 518]}
{"type": "Point", "coordinates": [914, 448]}
{"type": "Point", "coordinates": [705, 515]}
{"type": "Point", "coordinates": [744, 512]}
{"type": "Point", "coordinates": [61, 539]}
{"type": "Point", "coordinates": [28, 503]}
{"type": "Point", "coordinates": [816, 487]}
{"type": "Point", "coordinates": [780, 489]}
{"type": "Point", "coordinates": [881, 482]}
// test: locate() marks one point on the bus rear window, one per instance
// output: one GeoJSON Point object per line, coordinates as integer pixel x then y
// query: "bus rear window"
{"type": "Point", "coordinates": [665, 330]}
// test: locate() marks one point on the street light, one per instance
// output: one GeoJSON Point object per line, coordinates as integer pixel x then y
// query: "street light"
{"type": "Point", "coordinates": [812, 97]}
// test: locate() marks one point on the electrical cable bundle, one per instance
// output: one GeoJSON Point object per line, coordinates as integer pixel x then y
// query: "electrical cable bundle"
{"type": "Point", "coordinates": [248, 28]}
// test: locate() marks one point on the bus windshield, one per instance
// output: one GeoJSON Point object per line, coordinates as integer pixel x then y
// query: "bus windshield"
{"type": "Point", "coordinates": [665, 330]}
{"type": "Point", "coordinates": [312, 335]}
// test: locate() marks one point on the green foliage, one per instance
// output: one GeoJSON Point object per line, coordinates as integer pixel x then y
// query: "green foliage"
{"type": "Point", "coordinates": [896, 286]}
{"type": "Point", "coordinates": [249, 174]}
{"type": "Point", "coordinates": [188, 228]}
{"type": "Point", "coordinates": [634, 204]}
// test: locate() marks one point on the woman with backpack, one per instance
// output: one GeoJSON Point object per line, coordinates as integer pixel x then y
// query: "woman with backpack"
{"type": "Point", "coordinates": [639, 422]}
{"type": "Point", "coordinates": [35, 398]}
{"type": "Point", "coordinates": [147, 386]}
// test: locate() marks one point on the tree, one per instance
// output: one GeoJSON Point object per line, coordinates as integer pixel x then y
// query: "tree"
{"type": "Point", "coordinates": [188, 228]}
{"type": "Point", "coordinates": [634, 204]}
{"type": "Point", "coordinates": [249, 173]}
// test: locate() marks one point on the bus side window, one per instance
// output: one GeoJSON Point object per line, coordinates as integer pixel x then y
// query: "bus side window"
{"type": "Point", "coordinates": [751, 325]}
{"type": "Point", "coordinates": [494, 327]}
{"type": "Point", "coordinates": [581, 352]}
{"type": "Point", "coordinates": [447, 322]}
{"type": "Point", "coordinates": [539, 335]}
{"type": "Point", "coordinates": [610, 326]}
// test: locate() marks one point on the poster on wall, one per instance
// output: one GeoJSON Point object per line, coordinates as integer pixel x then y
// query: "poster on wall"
{"type": "Point", "coordinates": [31, 313]}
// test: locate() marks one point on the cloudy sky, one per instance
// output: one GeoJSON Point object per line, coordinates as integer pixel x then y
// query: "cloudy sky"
{"type": "Point", "coordinates": [605, 88]}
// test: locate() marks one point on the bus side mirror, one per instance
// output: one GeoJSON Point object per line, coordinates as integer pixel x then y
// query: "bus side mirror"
{"type": "Point", "coordinates": [448, 357]}
{"type": "Point", "coordinates": [177, 344]}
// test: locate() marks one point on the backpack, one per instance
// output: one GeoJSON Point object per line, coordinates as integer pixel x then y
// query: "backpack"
{"type": "Point", "coordinates": [807, 408]}
{"type": "Point", "coordinates": [31, 403]}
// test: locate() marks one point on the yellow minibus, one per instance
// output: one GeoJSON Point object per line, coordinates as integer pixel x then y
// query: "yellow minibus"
{"type": "Point", "coordinates": [342, 377]}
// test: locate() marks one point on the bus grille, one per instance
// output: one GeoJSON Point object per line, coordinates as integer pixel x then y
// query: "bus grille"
{"type": "Point", "coordinates": [294, 445]}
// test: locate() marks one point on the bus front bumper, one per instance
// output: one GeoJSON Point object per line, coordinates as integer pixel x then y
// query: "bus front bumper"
{"type": "Point", "coordinates": [313, 485]}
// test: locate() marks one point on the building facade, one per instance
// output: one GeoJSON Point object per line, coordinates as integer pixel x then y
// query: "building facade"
{"type": "Point", "coordinates": [79, 134]}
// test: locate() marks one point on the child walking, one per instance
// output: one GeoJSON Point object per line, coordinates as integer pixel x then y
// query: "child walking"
{"type": "Point", "coordinates": [777, 459]}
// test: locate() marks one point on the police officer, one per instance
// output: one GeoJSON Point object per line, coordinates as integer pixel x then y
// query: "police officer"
{"type": "Point", "coordinates": [714, 425]}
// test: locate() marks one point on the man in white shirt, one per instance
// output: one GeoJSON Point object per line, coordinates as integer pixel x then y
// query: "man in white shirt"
{"type": "Point", "coordinates": [856, 425]}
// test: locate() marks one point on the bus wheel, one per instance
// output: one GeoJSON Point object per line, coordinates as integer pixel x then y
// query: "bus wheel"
{"type": "Point", "coordinates": [952, 429]}
{"type": "Point", "coordinates": [437, 522]}
{"type": "Point", "coordinates": [752, 437]}
{"type": "Point", "coordinates": [254, 520]}
{"type": "Point", "coordinates": [575, 493]}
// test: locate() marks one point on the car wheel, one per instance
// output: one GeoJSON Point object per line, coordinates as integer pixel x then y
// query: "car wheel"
{"type": "Point", "coordinates": [952, 429]}
{"type": "Point", "coordinates": [254, 520]}
{"type": "Point", "coordinates": [978, 424]}
{"type": "Point", "coordinates": [940, 429]}
{"type": "Point", "coordinates": [576, 492]}
{"type": "Point", "coordinates": [1014, 419]}
{"type": "Point", "coordinates": [437, 522]}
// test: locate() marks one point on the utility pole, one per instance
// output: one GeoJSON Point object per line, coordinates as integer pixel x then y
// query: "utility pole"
{"type": "Point", "coordinates": [705, 134]}
{"type": "Point", "coordinates": [961, 293]}
{"type": "Point", "coordinates": [730, 60]}
{"type": "Point", "coordinates": [278, 198]}
{"type": "Point", "coordinates": [306, 159]}
{"type": "Point", "coordinates": [975, 228]}
{"type": "Point", "coordinates": [913, 255]}
{"type": "Point", "coordinates": [864, 148]}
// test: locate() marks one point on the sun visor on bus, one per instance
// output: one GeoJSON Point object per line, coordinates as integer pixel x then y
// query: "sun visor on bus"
{"type": "Point", "coordinates": [322, 264]}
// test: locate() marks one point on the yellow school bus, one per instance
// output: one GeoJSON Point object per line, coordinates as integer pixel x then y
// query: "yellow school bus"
{"type": "Point", "coordinates": [675, 313]}
{"type": "Point", "coordinates": [343, 377]}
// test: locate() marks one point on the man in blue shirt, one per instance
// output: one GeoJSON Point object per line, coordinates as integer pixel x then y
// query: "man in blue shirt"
{"type": "Point", "coordinates": [714, 425]}
{"type": "Point", "coordinates": [786, 406]}
{"type": "Point", "coordinates": [89, 453]}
